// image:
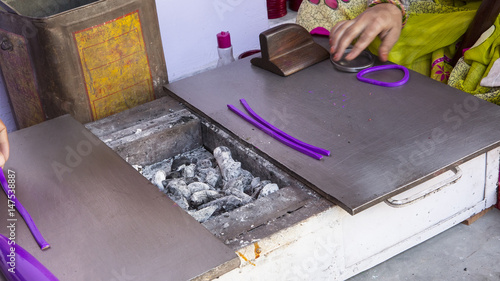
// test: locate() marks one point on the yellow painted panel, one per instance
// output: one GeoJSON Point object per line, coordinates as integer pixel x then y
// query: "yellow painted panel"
{"type": "Point", "coordinates": [110, 103]}
{"type": "Point", "coordinates": [115, 65]}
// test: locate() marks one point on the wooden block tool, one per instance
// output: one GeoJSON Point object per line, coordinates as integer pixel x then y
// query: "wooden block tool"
{"type": "Point", "coordinates": [288, 48]}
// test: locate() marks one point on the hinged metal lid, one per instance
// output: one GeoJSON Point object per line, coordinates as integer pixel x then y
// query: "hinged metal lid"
{"type": "Point", "coordinates": [383, 140]}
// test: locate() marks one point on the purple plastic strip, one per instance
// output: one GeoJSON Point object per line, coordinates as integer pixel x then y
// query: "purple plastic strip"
{"type": "Point", "coordinates": [283, 134]}
{"type": "Point", "coordinates": [25, 267]}
{"type": "Point", "coordinates": [384, 67]}
{"type": "Point", "coordinates": [26, 216]}
{"type": "Point", "coordinates": [274, 134]}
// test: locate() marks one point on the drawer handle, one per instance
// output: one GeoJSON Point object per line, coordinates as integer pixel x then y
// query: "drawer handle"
{"type": "Point", "coordinates": [398, 203]}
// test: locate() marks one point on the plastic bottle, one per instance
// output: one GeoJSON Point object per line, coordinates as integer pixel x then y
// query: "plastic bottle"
{"type": "Point", "coordinates": [224, 48]}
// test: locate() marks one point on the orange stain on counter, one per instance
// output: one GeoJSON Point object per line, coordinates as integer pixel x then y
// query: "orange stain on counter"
{"type": "Point", "coordinates": [245, 258]}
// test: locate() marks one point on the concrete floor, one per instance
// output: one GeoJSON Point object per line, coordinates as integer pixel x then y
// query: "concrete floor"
{"type": "Point", "coordinates": [468, 253]}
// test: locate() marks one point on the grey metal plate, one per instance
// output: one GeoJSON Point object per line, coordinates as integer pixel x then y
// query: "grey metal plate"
{"type": "Point", "coordinates": [383, 140]}
{"type": "Point", "coordinates": [104, 221]}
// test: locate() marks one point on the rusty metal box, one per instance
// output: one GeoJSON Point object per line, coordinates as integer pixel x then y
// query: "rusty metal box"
{"type": "Point", "coordinates": [88, 58]}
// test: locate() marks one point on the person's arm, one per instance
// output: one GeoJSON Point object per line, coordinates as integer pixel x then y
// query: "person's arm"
{"type": "Point", "coordinates": [382, 18]}
{"type": "Point", "coordinates": [4, 144]}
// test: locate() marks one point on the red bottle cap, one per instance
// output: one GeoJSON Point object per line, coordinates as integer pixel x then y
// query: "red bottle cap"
{"type": "Point", "coordinates": [224, 40]}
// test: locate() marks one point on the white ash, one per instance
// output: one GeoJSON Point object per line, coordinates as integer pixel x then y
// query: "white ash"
{"type": "Point", "coordinates": [207, 185]}
{"type": "Point", "coordinates": [158, 179]}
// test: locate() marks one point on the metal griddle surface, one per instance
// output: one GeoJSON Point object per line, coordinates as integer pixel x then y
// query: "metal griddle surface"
{"type": "Point", "coordinates": [383, 140]}
{"type": "Point", "coordinates": [104, 221]}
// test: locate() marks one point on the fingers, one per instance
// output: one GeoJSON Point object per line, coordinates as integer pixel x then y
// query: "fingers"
{"type": "Point", "coordinates": [341, 37]}
{"type": "Point", "coordinates": [4, 144]}
{"type": "Point", "coordinates": [389, 39]}
{"type": "Point", "coordinates": [345, 33]}
{"type": "Point", "coordinates": [382, 20]}
{"type": "Point", "coordinates": [367, 35]}
{"type": "Point", "coordinates": [336, 34]}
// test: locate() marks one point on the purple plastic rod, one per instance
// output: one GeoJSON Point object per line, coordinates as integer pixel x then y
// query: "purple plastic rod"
{"type": "Point", "coordinates": [283, 134]}
{"type": "Point", "coordinates": [22, 211]}
{"type": "Point", "coordinates": [384, 67]}
{"type": "Point", "coordinates": [20, 265]}
{"type": "Point", "coordinates": [275, 135]}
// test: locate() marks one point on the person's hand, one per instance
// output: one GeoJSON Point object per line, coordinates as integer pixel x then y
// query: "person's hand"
{"type": "Point", "coordinates": [4, 144]}
{"type": "Point", "coordinates": [383, 20]}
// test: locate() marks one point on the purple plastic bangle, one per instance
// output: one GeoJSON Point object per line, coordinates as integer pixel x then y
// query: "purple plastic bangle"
{"type": "Point", "coordinates": [283, 134]}
{"type": "Point", "coordinates": [26, 216]}
{"type": "Point", "coordinates": [384, 67]}
{"type": "Point", "coordinates": [274, 134]}
{"type": "Point", "coordinates": [27, 268]}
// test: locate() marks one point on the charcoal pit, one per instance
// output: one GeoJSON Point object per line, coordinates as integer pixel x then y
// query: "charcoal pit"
{"type": "Point", "coordinates": [247, 200]}
{"type": "Point", "coordinates": [206, 184]}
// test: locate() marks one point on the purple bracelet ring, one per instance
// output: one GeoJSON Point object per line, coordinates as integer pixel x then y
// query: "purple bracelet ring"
{"type": "Point", "coordinates": [384, 67]}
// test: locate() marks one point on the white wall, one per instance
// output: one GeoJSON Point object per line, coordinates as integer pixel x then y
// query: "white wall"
{"type": "Point", "coordinates": [189, 29]}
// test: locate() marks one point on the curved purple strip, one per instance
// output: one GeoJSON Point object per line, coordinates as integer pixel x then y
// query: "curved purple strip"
{"type": "Point", "coordinates": [384, 67]}
{"type": "Point", "coordinates": [283, 134]}
{"type": "Point", "coordinates": [26, 216]}
{"type": "Point", "coordinates": [275, 135]}
{"type": "Point", "coordinates": [23, 266]}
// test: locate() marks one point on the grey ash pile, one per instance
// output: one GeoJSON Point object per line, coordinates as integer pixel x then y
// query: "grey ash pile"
{"type": "Point", "coordinates": [207, 185]}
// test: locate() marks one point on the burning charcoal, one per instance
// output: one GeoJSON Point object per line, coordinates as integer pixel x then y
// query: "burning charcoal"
{"type": "Point", "coordinates": [180, 169]}
{"type": "Point", "coordinates": [231, 171]}
{"type": "Point", "coordinates": [198, 186]}
{"type": "Point", "coordinates": [203, 214]}
{"type": "Point", "coordinates": [239, 183]}
{"type": "Point", "coordinates": [188, 171]}
{"type": "Point", "coordinates": [138, 168]}
{"type": "Point", "coordinates": [165, 183]}
{"type": "Point", "coordinates": [158, 179]}
{"type": "Point", "coordinates": [229, 168]}
{"type": "Point", "coordinates": [232, 203]}
{"type": "Point", "coordinates": [259, 187]}
{"type": "Point", "coordinates": [181, 201]}
{"type": "Point", "coordinates": [253, 184]}
{"type": "Point", "coordinates": [204, 164]}
{"type": "Point", "coordinates": [174, 175]}
{"type": "Point", "coordinates": [222, 154]}
{"type": "Point", "coordinates": [268, 189]}
{"type": "Point", "coordinates": [176, 163]}
{"type": "Point", "coordinates": [245, 198]}
{"type": "Point", "coordinates": [212, 177]}
{"type": "Point", "coordinates": [246, 173]}
{"type": "Point", "coordinates": [204, 196]}
{"type": "Point", "coordinates": [193, 179]}
{"type": "Point", "coordinates": [178, 187]}
{"type": "Point", "coordinates": [224, 204]}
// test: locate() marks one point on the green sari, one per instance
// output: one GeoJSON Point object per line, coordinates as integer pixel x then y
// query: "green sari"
{"type": "Point", "coordinates": [427, 42]}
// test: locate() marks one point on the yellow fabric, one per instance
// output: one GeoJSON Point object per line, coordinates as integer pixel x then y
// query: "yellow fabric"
{"type": "Point", "coordinates": [427, 42]}
{"type": "Point", "coordinates": [429, 36]}
{"type": "Point", "coordinates": [476, 65]}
